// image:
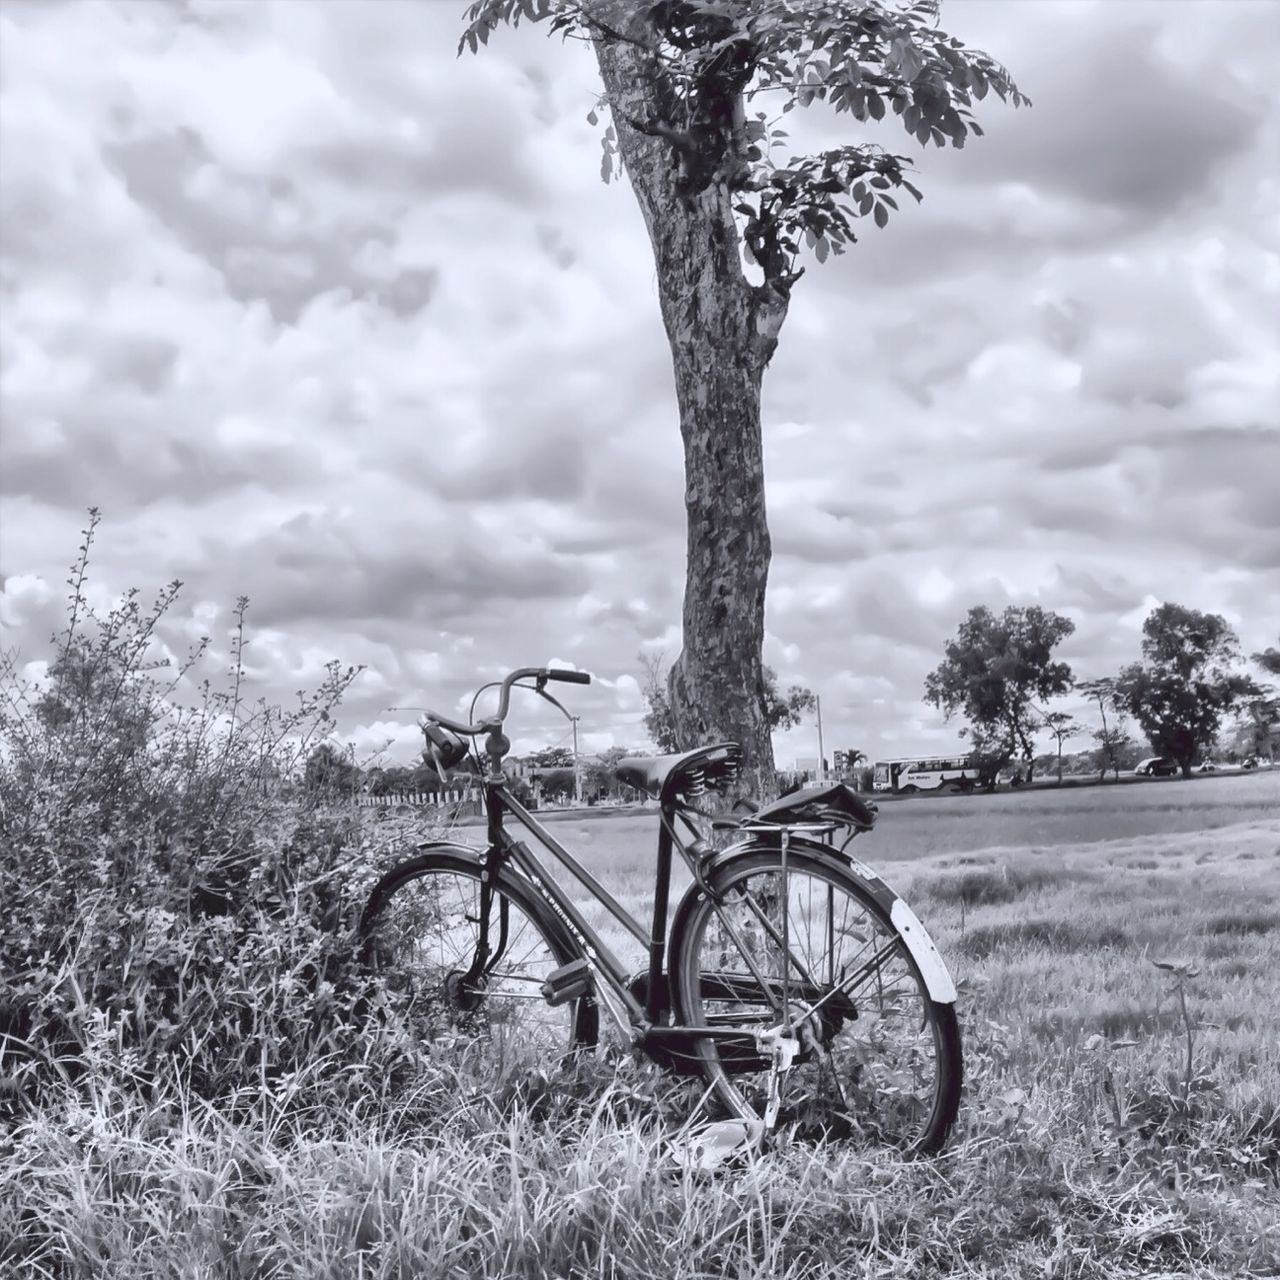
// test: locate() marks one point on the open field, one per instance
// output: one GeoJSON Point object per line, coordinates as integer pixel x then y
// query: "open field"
{"type": "Point", "coordinates": [1105, 1132]}
{"type": "Point", "coordinates": [911, 827]}
{"type": "Point", "coordinates": [618, 848]}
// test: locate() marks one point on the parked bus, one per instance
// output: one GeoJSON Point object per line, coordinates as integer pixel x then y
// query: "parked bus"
{"type": "Point", "coordinates": [925, 773]}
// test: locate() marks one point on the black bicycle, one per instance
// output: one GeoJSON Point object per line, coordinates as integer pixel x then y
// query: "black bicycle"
{"type": "Point", "coordinates": [792, 979]}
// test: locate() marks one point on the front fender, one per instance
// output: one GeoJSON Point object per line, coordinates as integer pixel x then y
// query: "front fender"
{"type": "Point", "coordinates": [387, 883]}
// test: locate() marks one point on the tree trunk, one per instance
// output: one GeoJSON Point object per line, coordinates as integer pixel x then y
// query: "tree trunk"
{"type": "Point", "coordinates": [722, 332]}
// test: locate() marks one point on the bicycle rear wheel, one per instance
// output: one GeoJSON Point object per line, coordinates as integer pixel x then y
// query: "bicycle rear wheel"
{"type": "Point", "coordinates": [420, 932]}
{"type": "Point", "coordinates": [879, 1058]}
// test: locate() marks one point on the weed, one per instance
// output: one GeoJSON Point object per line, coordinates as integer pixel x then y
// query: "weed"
{"type": "Point", "coordinates": [997, 885]}
{"type": "Point", "coordinates": [1047, 932]}
{"type": "Point", "coordinates": [175, 901]}
{"type": "Point", "coordinates": [1241, 923]}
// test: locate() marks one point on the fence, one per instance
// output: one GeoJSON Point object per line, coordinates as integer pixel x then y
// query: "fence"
{"type": "Point", "coordinates": [433, 799]}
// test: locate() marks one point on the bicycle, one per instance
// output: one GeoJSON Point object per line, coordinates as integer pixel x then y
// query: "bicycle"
{"type": "Point", "coordinates": [792, 980]}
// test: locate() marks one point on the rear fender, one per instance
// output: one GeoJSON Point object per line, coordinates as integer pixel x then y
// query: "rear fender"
{"type": "Point", "coordinates": [915, 937]}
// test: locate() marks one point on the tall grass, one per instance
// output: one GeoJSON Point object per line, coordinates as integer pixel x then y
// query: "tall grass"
{"type": "Point", "coordinates": [176, 903]}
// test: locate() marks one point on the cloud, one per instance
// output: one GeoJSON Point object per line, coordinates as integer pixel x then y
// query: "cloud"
{"type": "Point", "coordinates": [320, 313]}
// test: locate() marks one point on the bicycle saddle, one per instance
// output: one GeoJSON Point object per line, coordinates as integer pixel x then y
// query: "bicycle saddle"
{"type": "Point", "coordinates": [688, 774]}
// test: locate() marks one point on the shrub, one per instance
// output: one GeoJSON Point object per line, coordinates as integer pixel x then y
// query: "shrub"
{"type": "Point", "coordinates": [174, 900]}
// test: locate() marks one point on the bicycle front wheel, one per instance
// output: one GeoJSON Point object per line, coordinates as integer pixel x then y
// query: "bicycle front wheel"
{"type": "Point", "coordinates": [813, 949]}
{"type": "Point", "coordinates": [421, 932]}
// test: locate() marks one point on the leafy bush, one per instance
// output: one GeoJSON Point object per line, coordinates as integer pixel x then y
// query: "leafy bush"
{"type": "Point", "coordinates": [175, 901]}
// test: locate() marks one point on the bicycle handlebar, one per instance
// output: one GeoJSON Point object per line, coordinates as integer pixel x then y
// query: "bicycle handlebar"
{"type": "Point", "coordinates": [541, 674]}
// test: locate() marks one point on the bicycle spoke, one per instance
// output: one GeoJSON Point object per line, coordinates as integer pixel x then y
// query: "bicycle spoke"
{"type": "Point", "coordinates": [428, 934]}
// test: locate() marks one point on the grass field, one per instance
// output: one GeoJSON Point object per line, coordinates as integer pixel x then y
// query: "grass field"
{"type": "Point", "coordinates": [1120, 1119]}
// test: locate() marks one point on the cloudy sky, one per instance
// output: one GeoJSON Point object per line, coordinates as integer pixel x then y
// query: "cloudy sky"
{"type": "Point", "coordinates": [319, 313]}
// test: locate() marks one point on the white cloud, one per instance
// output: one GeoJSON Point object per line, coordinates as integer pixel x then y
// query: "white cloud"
{"type": "Point", "coordinates": [365, 338]}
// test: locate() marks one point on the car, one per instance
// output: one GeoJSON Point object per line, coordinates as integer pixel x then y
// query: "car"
{"type": "Point", "coordinates": [1156, 767]}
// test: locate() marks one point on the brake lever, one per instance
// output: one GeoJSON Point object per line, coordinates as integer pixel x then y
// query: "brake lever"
{"type": "Point", "coordinates": [555, 702]}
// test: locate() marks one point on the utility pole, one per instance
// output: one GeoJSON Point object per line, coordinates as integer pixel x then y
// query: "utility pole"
{"type": "Point", "coordinates": [822, 760]}
{"type": "Point", "coordinates": [577, 777]}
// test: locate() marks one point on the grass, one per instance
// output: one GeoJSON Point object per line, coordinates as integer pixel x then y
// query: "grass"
{"type": "Point", "coordinates": [1105, 1131]}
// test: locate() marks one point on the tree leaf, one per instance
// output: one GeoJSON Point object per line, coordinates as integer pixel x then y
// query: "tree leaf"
{"type": "Point", "coordinates": [821, 249]}
{"type": "Point", "coordinates": [882, 215]}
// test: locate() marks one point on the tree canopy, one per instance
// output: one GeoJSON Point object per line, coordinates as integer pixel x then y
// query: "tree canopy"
{"type": "Point", "coordinates": [1268, 660]}
{"type": "Point", "coordinates": [995, 670]}
{"type": "Point", "coordinates": [1188, 680]}
{"type": "Point", "coordinates": [1112, 737]}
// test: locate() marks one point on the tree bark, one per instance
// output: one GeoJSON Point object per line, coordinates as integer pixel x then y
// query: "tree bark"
{"type": "Point", "coordinates": [722, 331]}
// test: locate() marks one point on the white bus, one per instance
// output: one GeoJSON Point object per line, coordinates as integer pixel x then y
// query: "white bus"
{"type": "Point", "coordinates": [925, 773]}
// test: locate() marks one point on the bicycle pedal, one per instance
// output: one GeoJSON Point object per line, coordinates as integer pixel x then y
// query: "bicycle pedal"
{"type": "Point", "coordinates": [568, 982]}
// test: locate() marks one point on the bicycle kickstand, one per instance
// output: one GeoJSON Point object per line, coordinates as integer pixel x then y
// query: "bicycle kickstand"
{"type": "Point", "coordinates": [782, 1048]}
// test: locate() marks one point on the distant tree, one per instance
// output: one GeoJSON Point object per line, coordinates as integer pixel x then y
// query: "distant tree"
{"type": "Point", "coordinates": [551, 758]}
{"type": "Point", "coordinates": [1063, 727]}
{"type": "Point", "coordinates": [1112, 738]}
{"type": "Point", "coordinates": [391, 781]}
{"type": "Point", "coordinates": [1268, 660]}
{"type": "Point", "coordinates": [1179, 694]}
{"type": "Point", "coordinates": [600, 775]}
{"type": "Point", "coordinates": [330, 769]}
{"type": "Point", "coordinates": [995, 671]}
{"type": "Point", "coordinates": [1263, 711]}
{"type": "Point", "coordinates": [989, 752]}
{"type": "Point", "coordinates": [557, 782]}
{"type": "Point", "coordinates": [1258, 723]}
{"type": "Point", "coordinates": [781, 711]}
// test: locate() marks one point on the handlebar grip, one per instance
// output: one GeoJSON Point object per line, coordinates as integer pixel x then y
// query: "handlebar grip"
{"type": "Point", "coordinates": [569, 677]}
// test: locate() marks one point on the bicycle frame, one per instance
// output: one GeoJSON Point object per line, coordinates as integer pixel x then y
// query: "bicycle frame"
{"type": "Point", "coordinates": [640, 1023]}
{"type": "Point", "coordinates": [503, 848]}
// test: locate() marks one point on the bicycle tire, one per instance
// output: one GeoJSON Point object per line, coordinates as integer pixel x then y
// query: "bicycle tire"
{"type": "Point", "coordinates": [882, 1059]}
{"type": "Point", "coordinates": [419, 931]}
